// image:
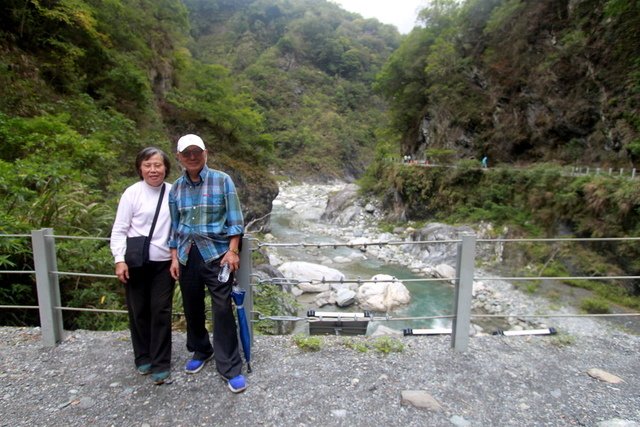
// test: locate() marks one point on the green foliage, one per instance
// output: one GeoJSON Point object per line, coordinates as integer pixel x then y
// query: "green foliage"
{"type": "Point", "coordinates": [563, 340]}
{"type": "Point", "coordinates": [16, 289]}
{"type": "Point", "coordinates": [87, 292]}
{"type": "Point", "coordinates": [502, 14]}
{"type": "Point", "coordinates": [21, 295]}
{"type": "Point", "coordinates": [491, 77]}
{"type": "Point", "coordinates": [531, 287]}
{"type": "Point", "coordinates": [386, 345]}
{"type": "Point", "coordinates": [270, 300]}
{"type": "Point", "coordinates": [304, 343]}
{"type": "Point", "coordinates": [440, 156]}
{"type": "Point", "coordinates": [99, 297]}
{"type": "Point", "coordinates": [634, 149]}
{"type": "Point", "coordinates": [64, 193]}
{"type": "Point", "coordinates": [595, 306]}
{"type": "Point", "coordinates": [383, 344]}
{"type": "Point", "coordinates": [357, 345]}
{"type": "Point", "coordinates": [207, 96]}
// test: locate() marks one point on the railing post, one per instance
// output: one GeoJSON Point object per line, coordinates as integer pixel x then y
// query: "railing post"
{"type": "Point", "coordinates": [44, 259]}
{"type": "Point", "coordinates": [244, 279]}
{"type": "Point", "coordinates": [464, 287]}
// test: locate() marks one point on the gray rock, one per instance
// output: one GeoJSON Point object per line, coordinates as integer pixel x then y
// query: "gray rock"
{"type": "Point", "coordinates": [339, 202]}
{"type": "Point", "coordinates": [345, 297]}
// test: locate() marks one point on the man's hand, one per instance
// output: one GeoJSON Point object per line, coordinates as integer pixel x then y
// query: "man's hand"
{"type": "Point", "coordinates": [232, 259]}
{"type": "Point", "coordinates": [174, 269]}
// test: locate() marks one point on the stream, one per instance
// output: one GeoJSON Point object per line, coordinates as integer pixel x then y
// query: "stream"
{"type": "Point", "coordinates": [295, 218]}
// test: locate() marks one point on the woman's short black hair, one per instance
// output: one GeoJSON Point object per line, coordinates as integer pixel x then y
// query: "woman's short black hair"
{"type": "Point", "coordinates": [149, 152]}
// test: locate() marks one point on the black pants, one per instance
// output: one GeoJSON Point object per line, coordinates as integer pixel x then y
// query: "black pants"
{"type": "Point", "coordinates": [149, 296]}
{"type": "Point", "coordinates": [193, 278]}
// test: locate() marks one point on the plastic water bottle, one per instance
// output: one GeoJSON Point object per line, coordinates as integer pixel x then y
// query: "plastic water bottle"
{"type": "Point", "coordinates": [223, 275]}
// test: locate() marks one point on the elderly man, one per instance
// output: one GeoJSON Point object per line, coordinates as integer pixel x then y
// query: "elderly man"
{"type": "Point", "coordinates": [206, 228]}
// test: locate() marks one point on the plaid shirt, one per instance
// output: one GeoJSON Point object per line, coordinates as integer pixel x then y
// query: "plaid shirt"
{"type": "Point", "coordinates": [206, 214]}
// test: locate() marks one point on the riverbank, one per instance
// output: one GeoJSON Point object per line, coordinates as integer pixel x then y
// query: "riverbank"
{"type": "Point", "coordinates": [89, 379]}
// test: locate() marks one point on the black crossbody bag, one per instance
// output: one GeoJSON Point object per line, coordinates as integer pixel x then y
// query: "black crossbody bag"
{"type": "Point", "coordinates": [137, 253]}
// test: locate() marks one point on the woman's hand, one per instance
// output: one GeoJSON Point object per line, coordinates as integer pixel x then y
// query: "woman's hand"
{"type": "Point", "coordinates": [122, 271]}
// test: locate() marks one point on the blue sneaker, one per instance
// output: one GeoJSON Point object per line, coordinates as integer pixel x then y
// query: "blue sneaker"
{"type": "Point", "coordinates": [160, 377]}
{"type": "Point", "coordinates": [194, 366]}
{"type": "Point", "coordinates": [237, 384]}
{"type": "Point", "coordinates": [144, 369]}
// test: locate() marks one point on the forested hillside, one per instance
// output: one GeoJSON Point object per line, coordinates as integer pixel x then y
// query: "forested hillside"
{"type": "Point", "coordinates": [521, 81]}
{"type": "Point", "coordinates": [309, 66]}
{"type": "Point", "coordinates": [271, 86]}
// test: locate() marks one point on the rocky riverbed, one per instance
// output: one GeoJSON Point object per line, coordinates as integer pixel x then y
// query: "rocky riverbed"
{"type": "Point", "coordinates": [335, 210]}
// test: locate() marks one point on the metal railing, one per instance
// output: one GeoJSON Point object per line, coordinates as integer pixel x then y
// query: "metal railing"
{"type": "Point", "coordinates": [50, 308]}
{"type": "Point", "coordinates": [629, 173]}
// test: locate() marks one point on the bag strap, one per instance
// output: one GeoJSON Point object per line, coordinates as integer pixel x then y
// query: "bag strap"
{"type": "Point", "coordinates": [155, 217]}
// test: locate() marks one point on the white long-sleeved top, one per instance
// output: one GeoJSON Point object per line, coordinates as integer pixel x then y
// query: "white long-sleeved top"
{"type": "Point", "coordinates": [135, 214]}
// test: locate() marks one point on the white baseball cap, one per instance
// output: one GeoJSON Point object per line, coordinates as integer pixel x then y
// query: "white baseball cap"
{"type": "Point", "coordinates": [189, 140]}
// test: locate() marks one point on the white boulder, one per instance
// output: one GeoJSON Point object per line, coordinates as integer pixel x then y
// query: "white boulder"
{"type": "Point", "coordinates": [310, 275]}
{"type": "Point", "coordinates": [384, 294]}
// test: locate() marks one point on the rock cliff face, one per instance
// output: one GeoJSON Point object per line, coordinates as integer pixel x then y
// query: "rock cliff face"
{"type": "Point", "coordinates": [550, 80]}
{"type": "Point", "coordinates": [257, 192]}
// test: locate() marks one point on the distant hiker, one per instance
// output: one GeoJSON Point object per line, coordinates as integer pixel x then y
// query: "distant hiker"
{"type": "Point", "coordinates": [485, 160]}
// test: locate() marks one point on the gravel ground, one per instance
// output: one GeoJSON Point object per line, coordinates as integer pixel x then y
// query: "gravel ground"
{"type": "Point", "coordinates": [89, 379]}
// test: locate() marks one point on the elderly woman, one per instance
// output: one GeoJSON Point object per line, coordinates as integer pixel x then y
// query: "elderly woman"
{"type": "Point", "coordinates": [148, 287]}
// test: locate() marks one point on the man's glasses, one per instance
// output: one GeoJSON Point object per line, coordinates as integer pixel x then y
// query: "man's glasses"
{"type": "Point", "coordinates": [192, 153]}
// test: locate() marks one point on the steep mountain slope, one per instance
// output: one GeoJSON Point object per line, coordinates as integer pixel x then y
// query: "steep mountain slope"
{"type": "Point", "coordinates": [309, 65]}
{"type": "Point", "coordinates": [521, 81]}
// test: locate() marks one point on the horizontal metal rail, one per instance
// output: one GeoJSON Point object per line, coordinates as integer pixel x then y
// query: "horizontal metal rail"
{"type": "Point", "coordinates": [105, 310]}
{"type": "Point", "coordinates": [106, 239]}
{"type": "Point", "coordinates": [353, 245]}
{"type": "Point", "coordinates": [557, 315]}
{"type": "Point", "coordinates": [101, 276]}
{"type": "Point", "coordinates": [433, 242]}
{"type": "Point", "coordinates": [520, 278]}
{"type": "Point", "coordinates": [280, 281]}
{"type": "Point", "coordinates": [27, 307]}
